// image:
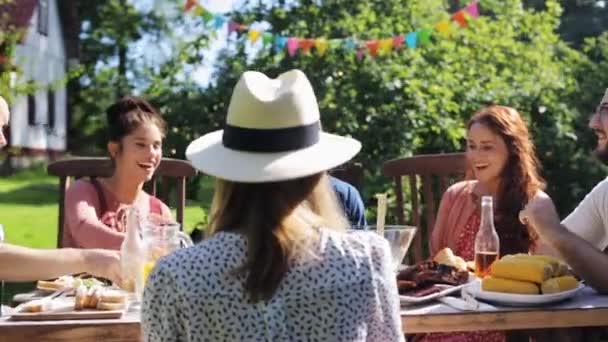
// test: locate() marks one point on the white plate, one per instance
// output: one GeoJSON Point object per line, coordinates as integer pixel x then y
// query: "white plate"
{"type": "Point", "coordinates": [511, 299]}
{"type": "Point", "coordinates": [446, 290]}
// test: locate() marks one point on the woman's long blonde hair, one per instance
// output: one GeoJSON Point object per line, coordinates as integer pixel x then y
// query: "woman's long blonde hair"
{"type": "Point", "coordinates": [275, 217]}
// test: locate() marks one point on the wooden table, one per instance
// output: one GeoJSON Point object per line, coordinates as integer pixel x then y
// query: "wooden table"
{"type": "Point", "coordinates": [587, 309]}
{"type": "Point", "coordinates": [126, 328]}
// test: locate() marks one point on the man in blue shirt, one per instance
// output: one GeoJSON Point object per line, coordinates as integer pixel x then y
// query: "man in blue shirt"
{"type": "Point", "coordinates": [351, 202]}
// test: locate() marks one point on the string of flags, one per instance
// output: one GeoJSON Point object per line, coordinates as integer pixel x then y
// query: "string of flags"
{"type": "Point", "coordinates": [372, 47]}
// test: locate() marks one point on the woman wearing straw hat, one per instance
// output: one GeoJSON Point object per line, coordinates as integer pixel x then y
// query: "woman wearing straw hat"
{"type": "Point", "coordinates": [278, 265]}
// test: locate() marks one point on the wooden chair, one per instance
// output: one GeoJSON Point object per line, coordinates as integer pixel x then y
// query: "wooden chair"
{"type": "Point", "coordinates": [437, 172]}
{"type": "Point", "coordinates": [78, 167]}
{"type": "Point", "coordinates": [351, 173]}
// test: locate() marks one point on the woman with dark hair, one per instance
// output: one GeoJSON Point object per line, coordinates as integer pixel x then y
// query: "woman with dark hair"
{"type": "Point", "coordinates": [279, 265]}
{"type": "Point", "coordinates": [502, 163]}
{"type": "Point", "coordinates": [94, 207]}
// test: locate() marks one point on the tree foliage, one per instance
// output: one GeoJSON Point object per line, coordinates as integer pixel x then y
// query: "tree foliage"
{"type": "Point", "coordinates": [416, 101]}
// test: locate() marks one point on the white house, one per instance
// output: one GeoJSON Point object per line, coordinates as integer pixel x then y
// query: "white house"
{"type": "Point", "coordinates": [38, 126]}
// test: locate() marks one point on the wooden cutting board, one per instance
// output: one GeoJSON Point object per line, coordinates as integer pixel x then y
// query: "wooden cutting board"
{"type": "Point", "coordinates": [63, 309]}
{"type": "Point", "coordinates": [67, 315]}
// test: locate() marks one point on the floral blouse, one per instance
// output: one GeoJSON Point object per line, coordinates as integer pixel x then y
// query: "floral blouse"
{"type": "Point", "coordinates": [346, 292]}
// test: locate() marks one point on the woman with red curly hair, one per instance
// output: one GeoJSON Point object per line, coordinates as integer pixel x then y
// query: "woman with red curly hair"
{"type": "Point", "coordinates": [502, 163]}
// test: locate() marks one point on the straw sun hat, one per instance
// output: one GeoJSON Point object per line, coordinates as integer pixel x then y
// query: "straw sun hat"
{"type": "Point", "coordinates": [272, 133]}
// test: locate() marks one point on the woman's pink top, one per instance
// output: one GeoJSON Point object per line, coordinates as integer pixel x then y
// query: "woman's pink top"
{"type": "Point", "coordinates": [93, 215]}
{"type": "Point", "coordinates": [456, 225]}
{"type": "Point", "coordinates": [458, 204]}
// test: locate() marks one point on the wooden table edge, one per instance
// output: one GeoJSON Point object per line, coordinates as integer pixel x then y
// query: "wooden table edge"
{"type": "Point", "coordinates": [504, 320]}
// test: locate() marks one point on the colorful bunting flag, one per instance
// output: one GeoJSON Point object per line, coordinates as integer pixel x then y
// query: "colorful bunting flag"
{"type": "Point", "coordinates": [443, 27]}
{"type": "Point", "coordinates": [385, 46]}
{"type": "Point", "coordinates": [292, 46]}
{"type": "Point", "coordinates": [472, 9]}
{"type": "Point", "coordinates": [335, 43]}
{"type": "Point", "coordinates": [267, 38]}
{"type": "Point", "coordinates": [398, 41]}
{"type": "Point", "coordinates": [350, 44]}
{"type": "Point", "coordinates": [218, 21]}
{"type": "Point", "coordinates": [372, 46]}
{"type": "Point", "coordinates": [460, 18]}
{"type": "Point", "coordinates": [360, 54]}
{"type": "Point", "coordinates": [306, 44]}
{"type": "Point", "coordinates": [321, 46]}
{"type": "Point", "coordinates": [232, 27]}
{"type": "Point", "coordinates": [190, 4]}
{"type": "Point", "coordinates": [279, 43]}
{"type": "Point", "coordinates": [207, 16]}
{"type": "Point", "coordinates": [411, 39]}
{"type": "Point", "coordinates": [424, 36]}
{"type": "Point", "coordinates": [199, 12]}
{"type": "Point", "coordinates": [254, 35]}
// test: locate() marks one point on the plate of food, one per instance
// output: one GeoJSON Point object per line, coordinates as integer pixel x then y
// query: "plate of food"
{"type": "Point", "coordinates": [88, 303]}
{"type": "Point", "coordinates": [67, 282]}
{"type": "Point", "coordinates": [526, 280]}
{"type": "Point", "coordinates": [429, 280]}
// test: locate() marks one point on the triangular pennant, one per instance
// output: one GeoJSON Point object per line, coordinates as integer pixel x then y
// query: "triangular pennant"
{"type": "Point", "coordinates": [385, 45]}
{"type": "Point", "coordinates": [267, 38]}
{"type": "Point", "coordinates": [350, 44]}
{"type": "Point", "coordinates": [218, 21]}
{"type": "Point", "coordinates": [472, 9]}
{"type": "Point", "coordinates": [190, 4]}
{"type": "Point", "coordinates": [232, 26]}
{"type": "Point", "coordinates": [372, 46]}
{"type": "Point", "coordinates": [207, 16]}
{"type": "Point", "coordinates": [279, 43]}
{"type": "Point", "coordinates": [424, 36]}
{"type": "Point", "coordinates": [335, 43]}
{"type": "Point", "coordinates": [443, 27]}
{"type": "Point", "coordinates": [306, 44]}
{"type": "Point", "coordinates": [254, 35]}
{"type": "Point", "coordinates": [460, 18]}
{"type": "Point", "coordinates": [321, 46]}
{"type": "Point", "coordinates": [360, 53]}
{"type": "Point", "coordinates": [199, 11]}
{"type": "Point", "coordinates": [411, 39]}
{"type": "Point", "coordinates": [398, 41]}
{"type": "Point", "coordinates": [292, 46]}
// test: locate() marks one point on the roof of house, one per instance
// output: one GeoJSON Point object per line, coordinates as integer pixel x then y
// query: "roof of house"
{"type": "Point", "coordinates": [17, 15]}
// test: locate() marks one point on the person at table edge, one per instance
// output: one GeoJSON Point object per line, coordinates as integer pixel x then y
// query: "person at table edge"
{"type": "Point", "coordinates": [24, 264]}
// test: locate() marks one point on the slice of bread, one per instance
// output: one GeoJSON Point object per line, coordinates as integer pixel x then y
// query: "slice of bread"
{"type": "Point", "coordinates": [113, 296]}
{"type": "Point", "coordinates": [107, 306]}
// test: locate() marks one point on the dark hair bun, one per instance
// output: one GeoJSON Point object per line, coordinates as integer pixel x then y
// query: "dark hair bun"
{"type": "Point", "coordinates": [127, 114]}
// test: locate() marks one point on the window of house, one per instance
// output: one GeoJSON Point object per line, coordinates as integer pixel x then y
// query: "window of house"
{"type": "Point", "coordinates": [51, 109]}
{"type": "Point", "coordinates": [43, 17]}
{"type": "Point", "coordinates": [31, 110]}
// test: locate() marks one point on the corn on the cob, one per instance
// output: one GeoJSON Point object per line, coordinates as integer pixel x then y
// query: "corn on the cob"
{"type": "Point", "coordinates": [495, 284]}
{"type": "Point", "coordinates": [535, 271]}
{"type": "Point", "coordinates": [559, 284]}
{"type": "Point", "coordinates": [553, 262]}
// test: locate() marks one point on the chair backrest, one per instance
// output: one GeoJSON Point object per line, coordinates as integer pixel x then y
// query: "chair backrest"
{"type": "Point", "coordinates": [437, 172]}
{"type": "Point", "coordinates": [351, 173]}
{"type": "Point", "coordinates": [78, 167]}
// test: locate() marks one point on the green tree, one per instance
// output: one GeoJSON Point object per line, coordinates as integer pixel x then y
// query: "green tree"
{"type": "Point", "coordinates": [415, 101]}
